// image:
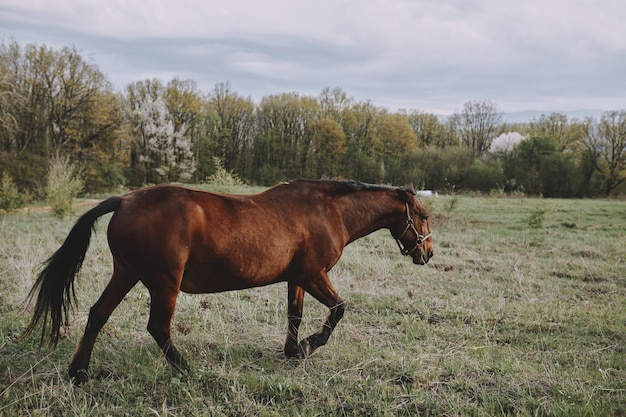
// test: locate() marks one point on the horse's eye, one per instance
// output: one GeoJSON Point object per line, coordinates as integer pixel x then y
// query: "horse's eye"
{"type": "Point", "coordinates": [424, 218]}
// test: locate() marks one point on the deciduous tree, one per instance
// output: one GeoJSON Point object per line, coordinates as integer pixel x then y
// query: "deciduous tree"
{"type": "Point", "coordinates": [167, 151]}
{"type": "Point", "coordinates": [478, 125]}
{"type": "Point", "coordinates": [235, 123]}
{"type": "Point", "coordinates": [427, 127]}
{"type": "Point", "coordinates": [56, 101]}
{"type": "Point", "coordinates": [605, 141]}
{"type": "Point", "coordinates": [328, 149]}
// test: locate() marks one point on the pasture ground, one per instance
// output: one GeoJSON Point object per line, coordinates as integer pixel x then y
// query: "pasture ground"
{"type": "Point", "coordinates": [522, 311]}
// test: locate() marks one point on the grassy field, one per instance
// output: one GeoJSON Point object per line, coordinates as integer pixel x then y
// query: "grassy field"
{"type": "Point", "coordinates": [522, 311]}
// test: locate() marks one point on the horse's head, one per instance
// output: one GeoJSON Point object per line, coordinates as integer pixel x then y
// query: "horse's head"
{"type": "Point", "coordinates": [411, 231]}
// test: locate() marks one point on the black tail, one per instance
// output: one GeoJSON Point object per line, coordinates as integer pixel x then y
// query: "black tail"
{"type": "Point", "coordinates": [55, 283]}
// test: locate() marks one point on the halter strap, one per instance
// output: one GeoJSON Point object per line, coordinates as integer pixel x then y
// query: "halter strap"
{"type": "Point", "coordinates": [410, 226]}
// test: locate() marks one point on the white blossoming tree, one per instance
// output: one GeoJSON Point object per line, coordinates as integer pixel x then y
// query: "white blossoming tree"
{"type": "Point", "coordinates": [506, 142]}
{"type": "Point", "coordinates": [166, 150]}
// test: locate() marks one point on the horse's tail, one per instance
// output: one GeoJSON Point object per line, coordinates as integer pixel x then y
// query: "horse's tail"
{"type": "Point", "coordinates": [55, 282]}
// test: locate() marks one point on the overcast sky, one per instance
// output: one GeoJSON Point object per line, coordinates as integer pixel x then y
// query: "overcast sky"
{"type": "Point", "coordinates": [431, 55]}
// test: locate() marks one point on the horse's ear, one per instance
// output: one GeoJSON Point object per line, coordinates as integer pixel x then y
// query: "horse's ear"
{"type": "Point", "coordinates": [405, 194]}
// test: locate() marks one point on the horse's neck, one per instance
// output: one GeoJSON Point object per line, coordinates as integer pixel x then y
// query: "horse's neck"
{"type": "Point", "coordinates": [364, 213]}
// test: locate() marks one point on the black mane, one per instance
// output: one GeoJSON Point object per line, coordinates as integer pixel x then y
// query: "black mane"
{"type": "Point", "coordinates": [347, 186]}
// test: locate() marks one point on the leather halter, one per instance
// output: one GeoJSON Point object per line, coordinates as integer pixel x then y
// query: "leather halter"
{"type": "Point", "coordinates": [419, 239]}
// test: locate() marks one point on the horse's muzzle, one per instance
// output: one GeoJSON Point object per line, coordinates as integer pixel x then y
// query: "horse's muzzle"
{"type": "Point", "coordinates": [422, 258]}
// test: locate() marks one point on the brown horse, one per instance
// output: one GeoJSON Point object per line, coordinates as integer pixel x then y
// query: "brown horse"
{"type": "Point", "coordinates": [176, 239]}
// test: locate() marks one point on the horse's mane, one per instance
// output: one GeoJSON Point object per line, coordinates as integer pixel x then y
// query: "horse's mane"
{"type": "Point", "coordinates": [349, 186]}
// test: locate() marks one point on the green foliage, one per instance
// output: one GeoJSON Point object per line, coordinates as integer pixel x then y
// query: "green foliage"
{"type": "Point", "coordinates": [10, 197]}
{"type": "Point", "coordinates": [443, 168]}
{"type": "Point", "coordinates": [451, 204]}
{"type": "Point", "coordinates": [484, 175]}
{"type": "Point", "coordinates": [361, 164]}
{"type": "Point", "coordinates": [539, 168]}
{"type": "Point", "coordinates": [64, 183]}
{"type": "Point", "coordinates": [329, 144]}
{"type": "Point", "coordinates": [537, 217]}
{"type": "Point", "coordinates": [222, 179]}
{"type": "Point", "coordinates": [110, 176]}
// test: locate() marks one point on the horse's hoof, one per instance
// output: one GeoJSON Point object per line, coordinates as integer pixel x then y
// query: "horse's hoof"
{"type": "Point", "coordinates": [182, 366]}
{"type": "Point", "coordinates": [79, 377]}
{"type": "Point", "coordinates": [299, 351]}
{"type": "Point", "coordinates": [294, 353]}
{"type": "Point", "coordinates": [305, 348]}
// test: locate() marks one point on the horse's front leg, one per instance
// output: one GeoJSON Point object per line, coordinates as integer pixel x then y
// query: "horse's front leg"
{"type": "Point", "coordinates": [294, 316]}
{"type": "Point", "coordinates": [324, 292]}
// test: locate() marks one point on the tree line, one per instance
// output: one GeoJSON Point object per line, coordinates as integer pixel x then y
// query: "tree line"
{"type": "Point", "coordinates": [54, 102]}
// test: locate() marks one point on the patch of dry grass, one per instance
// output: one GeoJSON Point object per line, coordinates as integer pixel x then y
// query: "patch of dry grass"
{"type": "Point", "coordinates": [521, 312]}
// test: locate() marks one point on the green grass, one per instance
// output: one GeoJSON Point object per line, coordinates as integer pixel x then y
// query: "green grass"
{"type": "Point", "coordinates": [522, 311]}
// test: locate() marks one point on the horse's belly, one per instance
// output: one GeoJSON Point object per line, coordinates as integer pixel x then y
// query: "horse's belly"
{"type": "Point", "coordinates": [212, 280]}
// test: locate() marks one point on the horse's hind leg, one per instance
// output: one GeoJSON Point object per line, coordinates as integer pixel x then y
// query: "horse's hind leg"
{"type": "Point", "coordinates": [324, 292]}
{"type": "Point", "coordinates": [118, 287]}
{"type": "Point", "coordinates": [162, 305]}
